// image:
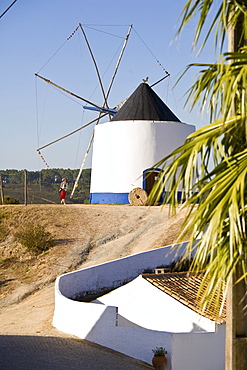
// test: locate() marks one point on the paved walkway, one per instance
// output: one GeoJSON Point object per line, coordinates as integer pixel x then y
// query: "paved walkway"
{"type": "Point", "coordinates": [28, 341]}
{"type": "Point", "coordinates": [54, 353]}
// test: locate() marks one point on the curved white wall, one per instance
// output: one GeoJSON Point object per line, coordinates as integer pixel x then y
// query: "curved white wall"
{"type": "Point", "coordinates": [122, 150]}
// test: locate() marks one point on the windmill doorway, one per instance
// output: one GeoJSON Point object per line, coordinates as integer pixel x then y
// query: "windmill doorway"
{"type": "Point", "coordinates": [150, 176]}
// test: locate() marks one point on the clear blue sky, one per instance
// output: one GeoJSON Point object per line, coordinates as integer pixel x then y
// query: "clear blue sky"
{"type": "Point", "coordinates": [33, 37]}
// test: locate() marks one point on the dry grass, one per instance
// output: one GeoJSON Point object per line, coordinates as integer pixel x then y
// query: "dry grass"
{"type": "Point", "coordinates": [84, 235]}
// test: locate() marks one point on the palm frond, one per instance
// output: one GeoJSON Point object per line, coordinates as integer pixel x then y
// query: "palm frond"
{"type": "Point", "coordinates": [215, 199]}
{"type": "Point", "coordinates": [210, 168]}
{"type": "Point", "coordinates": [220, 19]}
{"type": "Point", "coordinates": [219, 85]}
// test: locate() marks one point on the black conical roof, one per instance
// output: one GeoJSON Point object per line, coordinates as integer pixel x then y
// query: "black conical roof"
{"type": "Point", "coordinates": [145, 105]}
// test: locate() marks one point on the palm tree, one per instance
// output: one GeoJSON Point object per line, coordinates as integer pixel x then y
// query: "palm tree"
{"type": "Point", "coordinates": [211, 169]}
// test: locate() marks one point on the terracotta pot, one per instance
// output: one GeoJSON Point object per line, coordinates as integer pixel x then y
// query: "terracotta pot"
{"type": "Point", "coordinates": [159, 362]}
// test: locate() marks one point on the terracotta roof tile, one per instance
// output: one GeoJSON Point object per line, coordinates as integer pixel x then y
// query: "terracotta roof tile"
{"type": "Point", "coordinates": [184, 286]}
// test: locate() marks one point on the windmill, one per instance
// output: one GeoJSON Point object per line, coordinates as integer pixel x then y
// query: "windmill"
{"type": "Point", "coordinates": [102, 110]}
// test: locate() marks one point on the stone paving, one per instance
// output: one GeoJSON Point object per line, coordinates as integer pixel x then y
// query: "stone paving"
{"type": "Point", "coordinates": [18, 352]}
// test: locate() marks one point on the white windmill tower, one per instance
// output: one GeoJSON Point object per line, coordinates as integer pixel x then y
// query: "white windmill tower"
{"type": "Point", "coordinates": [126, 148]}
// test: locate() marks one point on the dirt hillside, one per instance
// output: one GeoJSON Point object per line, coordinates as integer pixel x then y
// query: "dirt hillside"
{"type": "Point", "coordinates": [84, 235]}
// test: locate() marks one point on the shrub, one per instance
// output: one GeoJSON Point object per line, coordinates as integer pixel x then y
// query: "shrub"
{"type": "Point", "coordinates": [9, 200]}
{"type": "Point", "coordinates": [159, 351]}
{"type": "Point", "coordinates": [34, 238]}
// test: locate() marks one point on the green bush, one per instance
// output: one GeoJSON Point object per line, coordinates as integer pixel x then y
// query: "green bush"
{"type": "Point", "coordinates": [9, 200]}
{"type": "Point", "coordinates": [34, 238]}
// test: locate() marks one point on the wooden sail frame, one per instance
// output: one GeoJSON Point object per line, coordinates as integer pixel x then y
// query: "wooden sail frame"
{"type": "Point", "coordinates": [103, 111]}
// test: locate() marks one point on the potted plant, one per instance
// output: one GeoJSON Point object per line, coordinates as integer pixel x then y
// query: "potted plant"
{"type": "Point", "coordinates": [159, 359]}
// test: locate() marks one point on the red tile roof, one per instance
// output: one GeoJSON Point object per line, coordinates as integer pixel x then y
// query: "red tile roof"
{"type": "Point", "coordinates": [184, 287]}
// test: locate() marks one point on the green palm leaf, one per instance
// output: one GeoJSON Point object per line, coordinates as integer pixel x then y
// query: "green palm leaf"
{"type": "Point", "coordinates": [227, 12]}
{"type": "Point", "coordinates": [210, 169]}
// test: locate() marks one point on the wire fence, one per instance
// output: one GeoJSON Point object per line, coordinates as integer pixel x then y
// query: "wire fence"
{"type": "Point", "coordinates": [41, 187]}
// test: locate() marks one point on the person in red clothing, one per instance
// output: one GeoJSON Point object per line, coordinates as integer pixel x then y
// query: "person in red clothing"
{"type": "Point", "coordinates": [63, 190]}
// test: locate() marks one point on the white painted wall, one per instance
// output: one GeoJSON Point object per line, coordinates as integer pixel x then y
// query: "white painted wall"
{"type": "Point", "coordinates": [199, 351]}
{"type": "Point", "coordinates": [141, 303]}
{"type": "Point", "coordinates": [122, 150]}
{"type": "Point", "coordinates": [98, 322]}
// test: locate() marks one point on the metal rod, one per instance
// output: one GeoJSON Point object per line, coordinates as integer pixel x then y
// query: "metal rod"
{"type": "Point", "coordinates": [73, 132]}
{"type": "Point", "coordinates": [95, 64]}
{"type": "Point", "coordinates": [82, 166]}
{"type": "Point", "coordinates": [8, 8]}
{"type": "Point", "coordinates": [117, 66]}
{"type": "Point", "coordinates": [160, 80]}
{"type": "Point", "coordinates": [67, 91]}
{"type": "Point", "coordinates": [119, 60]}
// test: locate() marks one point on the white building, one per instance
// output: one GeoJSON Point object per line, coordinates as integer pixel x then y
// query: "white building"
{"type": "Point", "coordinates": [150, 301]}
{"type": "Point", "coordinates": [144, 311]}
{"type": "Point", "coordinates": [126, 149]}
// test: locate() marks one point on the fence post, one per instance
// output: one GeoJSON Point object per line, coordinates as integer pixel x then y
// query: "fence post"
{"type": "Point", "coordinates": [1, 189]}
{"type": "Point", "coordinates": [25, 187]}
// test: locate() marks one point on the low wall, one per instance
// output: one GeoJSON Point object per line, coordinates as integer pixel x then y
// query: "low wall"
{"type": "Point", "coordinates": [113, 274]}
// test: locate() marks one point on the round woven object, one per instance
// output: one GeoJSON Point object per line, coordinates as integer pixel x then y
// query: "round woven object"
{"type": "Point", "coordinates": [138, 197]}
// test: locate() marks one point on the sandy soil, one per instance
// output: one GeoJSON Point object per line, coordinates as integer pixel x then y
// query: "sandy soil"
{"type": "Point", "coordinates": [85, 235]}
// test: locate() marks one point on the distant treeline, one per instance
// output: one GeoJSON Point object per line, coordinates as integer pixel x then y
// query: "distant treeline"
{"type": "Point", "coordinates": [43, 185]}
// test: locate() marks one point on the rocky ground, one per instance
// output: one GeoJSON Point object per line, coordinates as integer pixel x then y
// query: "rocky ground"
{"type": "Point", "coordinates": [84, 235]}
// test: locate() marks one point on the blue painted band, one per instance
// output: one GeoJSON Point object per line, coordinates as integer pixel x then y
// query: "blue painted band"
{"type": "Point", "coordinates": [118, 198]}
{"type": "Point", "coordinates": [109, 198]}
